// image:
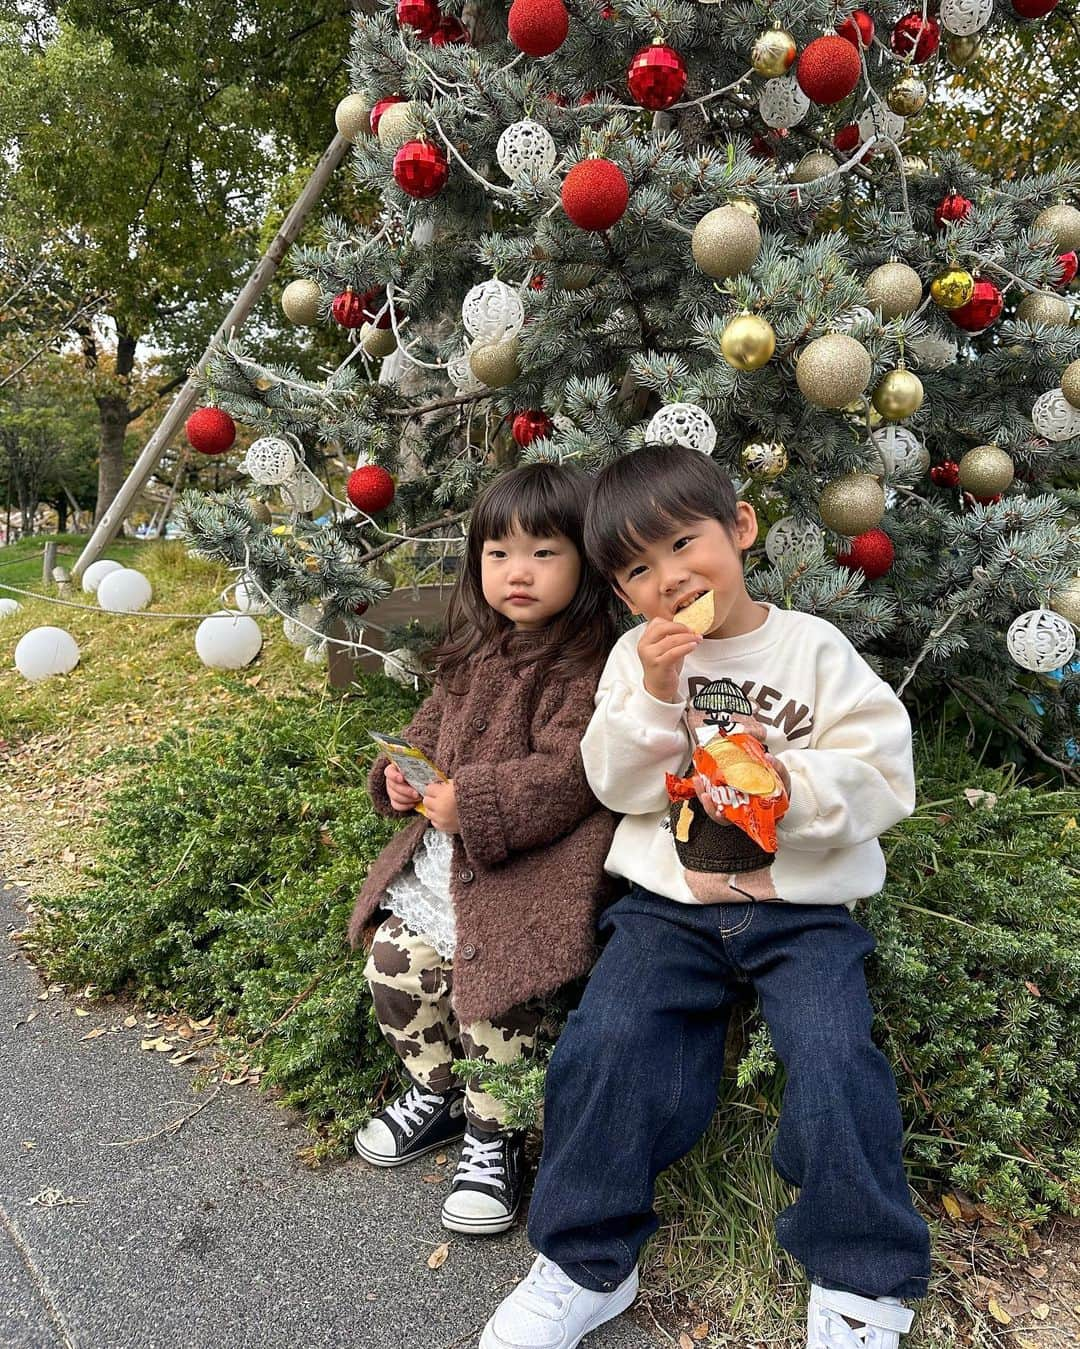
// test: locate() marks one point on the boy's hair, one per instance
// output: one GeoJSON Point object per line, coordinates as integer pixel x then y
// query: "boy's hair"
{"type": "Point", "coordinates": [643, 496]}
{"type": "Point", "coordinates": [541, 499]}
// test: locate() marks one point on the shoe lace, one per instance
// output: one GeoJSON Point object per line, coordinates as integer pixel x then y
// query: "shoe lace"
{"type": "Point", "coordinates": [838, 1334]}
{"type": "Point", "coordinates": [480, 1160]}
{"type": "Point", "coordinates": [546, 1288]}
{"type": "Point", "coordinates": [413, 1108]}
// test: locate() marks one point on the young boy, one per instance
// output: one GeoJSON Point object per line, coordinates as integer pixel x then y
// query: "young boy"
{"type": "Point", "coordinates": [711, 916]}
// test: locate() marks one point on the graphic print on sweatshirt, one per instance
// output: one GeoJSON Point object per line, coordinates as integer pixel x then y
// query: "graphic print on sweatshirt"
{"type": "Point", "coordinates": [719, 859]}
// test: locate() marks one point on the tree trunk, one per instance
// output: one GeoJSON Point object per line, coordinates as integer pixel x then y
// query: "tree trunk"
{"type": "Point", "coordinates": [61, 514]}
{"type": "Point", "coordinates": [114, 414]}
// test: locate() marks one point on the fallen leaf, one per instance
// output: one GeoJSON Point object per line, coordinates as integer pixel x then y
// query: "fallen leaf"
{"type": "Point", "coordinates": [701, 1331]}
{"type": "Point", "coordinates": [1025, 1343]}
{"type": "Point", "coordinates": [130, 1021]}
{"type": "Point", "coordinates": [1033, 989]}
{"type": "Point", "coordinates": [435, 1178]}
{"type": "Point", "coordinates": [952, 1207]}
{"type": "Point", "coordinates": [998, 1312]}
{"type": "Point", "coordinates": [81, 1011]}
{"type": "Point", "coordinates": [685, 1342]}
{"type": "Point", "coordinates": [440, 1160]}
{"type": "Point", "coordinates": [1037, 1271]}
{"type": "Point", "coordinates": [93, 1034]}
{"type": "Point", "coordinates": [1042, 1311]}
{"type": "Point", "coordinates": [437, 1258]}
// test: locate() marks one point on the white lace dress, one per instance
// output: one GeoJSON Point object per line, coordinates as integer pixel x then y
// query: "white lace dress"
{"type": "Point", "coordinates": [420, 893]}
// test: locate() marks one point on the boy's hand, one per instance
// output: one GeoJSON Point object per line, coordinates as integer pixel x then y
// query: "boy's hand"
{"type": "Point", "coordinates": [402, 796]}
{"type": "Point", "coordinates": [663, 647]}
{"type": "Point", "coordinates": [440, 802]}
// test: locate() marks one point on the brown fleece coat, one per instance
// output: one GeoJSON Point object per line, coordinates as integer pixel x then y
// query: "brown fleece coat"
{"type": "Point", "coordinates": [527, 871]}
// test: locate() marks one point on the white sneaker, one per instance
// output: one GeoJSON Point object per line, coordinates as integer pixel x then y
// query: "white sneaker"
{"type": "Point", "coordinates": [548, 1310]}
{"type": "Point", "coordinates": [884, 1320]}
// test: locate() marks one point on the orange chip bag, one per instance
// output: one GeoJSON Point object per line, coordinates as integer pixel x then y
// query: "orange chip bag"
{"type": "Point", "coordinates": [736, 784]}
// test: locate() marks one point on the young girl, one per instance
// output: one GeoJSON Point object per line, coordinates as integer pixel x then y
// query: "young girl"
{"type": "Point", "coordinates": [491, 897]}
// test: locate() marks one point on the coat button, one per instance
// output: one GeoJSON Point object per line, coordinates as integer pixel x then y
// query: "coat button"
{"type": "Point", "coordinates": [468, 951]}
{"type": "Point", "coordinates": [465, 875]}
{"type": "Point", "coordinates": [479, 724]}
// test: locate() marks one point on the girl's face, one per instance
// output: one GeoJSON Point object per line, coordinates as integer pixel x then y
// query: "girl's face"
{"type": "Point", "coordinates": [527, 579]}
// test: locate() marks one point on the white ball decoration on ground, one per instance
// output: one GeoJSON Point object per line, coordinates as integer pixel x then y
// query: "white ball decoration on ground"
{"type": "Point", "coordinates": [302, 493]}
{"type": "Point", "coordinates": [269, 461]}
{"type": "Point", "coordinates": [1041, 640]}
{"type": "Point", "coordinates": [492, 311]}
{"type": "Point", "coordinates": [882, 122]}
{"type": "Point", "coordinates": [683, 424]}
{"type": "Point", "coordinates": [91, 578]}
{"type": "Point", "coordinates": [782, 103]}
{"type": "Point", "coordinates": [901, 450]}
{"type": "Point", "coordinates": [297, 629]}
{"type": "Point", "coordinates": [248, 598]}
{"type": "Point", "coordinates": [525, 147]}
{"type": "Point", "coordinates": [789, 536]}
{"type": "Point", "coordinates": [227, 641]}
{"type": "Point", "coordinates": [1054, 417]}
{"type": "Point", "coordinates": [8, 607]}
{"type": "Point", "coordinates": [964, 17]}
{"type": "Point", "coordinates": [125, 591]}
{"type": "Point", "coordinates": [932, 352]}
{"type": "Point", "coordinates": [44, 652]}
{"type": "Point", "coordinates": [403, 666]}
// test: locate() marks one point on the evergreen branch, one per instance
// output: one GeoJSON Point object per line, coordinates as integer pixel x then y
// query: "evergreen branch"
{"type": "Point", "coordinates": [1067, 770]}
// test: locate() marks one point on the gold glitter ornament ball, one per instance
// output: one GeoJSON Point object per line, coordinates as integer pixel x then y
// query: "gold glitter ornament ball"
{"type": "Point", "coordinates": [952, 288]}
{"type": "Point", "coordinates": [895, 289]}
{"type": "Point", "coordinates": [300, 302]}
{"type": "Point", "coordinates": [1070, 384]}
{"type": "Point", "coordinates": [377, 342]}
{"type": "Point", "coordinates": [985, 471]}
{"type": "Point", "coordinates": [833, 370]}
{"type": "Point", "coordinates": [1066, 601]}
{"type": "Point", "coordinates": [773, 53]}
{"type": "Point", "coordinates": [961, 51]}
{"type": "Point", "coordinates": [496, 364]}
{"type": "Point", "coordinates": [814, 165]}
{"type": "Point", "coordinates": [1063, 222]}
{"type": "Point", "coordinates": [908, 96]}
{"type": "Point", "coordinates": [352, 117]}
{"type": "Point", "coordinates": [745, 204]}
{"type": "Point", "coordinates": [899, 395]}
{"type": "Point", "coordinates": [1040, 307]}
{"type": "Point", "coordinates": [725, 242]}
{"type": "Point", "coordinates": [747, 342]}
{"type": "Point", "coordinates": [397, 125]}
{"type": "Point", "coordinates": [764, 459]}
{"type": "Point", "coordinates": [851, 505]}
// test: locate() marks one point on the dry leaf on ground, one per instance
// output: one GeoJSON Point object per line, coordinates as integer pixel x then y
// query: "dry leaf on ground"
{"type": "Point", "coordinates": [437, 1258]}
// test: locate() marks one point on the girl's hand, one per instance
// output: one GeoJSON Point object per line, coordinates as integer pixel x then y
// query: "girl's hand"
{"type": "Point", "coordinates": [440, 803]}
{"type": "Point", "coordinates": [402, 796]}
{"type": "Point", "coordinates": [663, 647]}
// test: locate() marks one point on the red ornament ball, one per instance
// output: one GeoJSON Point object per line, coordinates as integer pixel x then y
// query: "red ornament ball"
{"type": "Point", "coordinates": [421, 169]}
{"type": "Point", "coordinates": [595, 193]}
{"type": "Point", "coordinates": [537, 283]}
{"type": "Point", "coordinates": [981, 310]}
{"type": "Point", "coordinates": [379, 108]}
{"type": "Point", "coordinates": [210, 430]}
{"type": "Point", "coordinates": [538, 27]}
{"type": "Point", "coordinates": [1033, 9]}
{"type": "Point", "coordinates": [350, 309]}
{"type": "Point", "coordinates": [370, 489]}
{"type": "Point", "coordinates": [914, 34]}
{"type": "Point", "coordinates": [828, 69]}
{"type": "Point", "coordinates": [531, 425]}
{"type": "Point", "coordinates": [857, 28]}
{"type": "Point", "coordinates": [946, 474]}
{"type": "Point", "coordinates": [657, 77]}
{"type": "Point", "coordinates": [848, 138]}
{"type": "Point", "coordinates": [1067, 267]}
{"type": "Point", "coordinates": [871, 553]}
{"type": "Point", "coordinates": [422, 15]}
{"type": "Point", "coordinates": [449, 30]}
{"type": "Point", "coordinates": [361, 608]}
{"type": "Point", "coordinates": [952, 208]}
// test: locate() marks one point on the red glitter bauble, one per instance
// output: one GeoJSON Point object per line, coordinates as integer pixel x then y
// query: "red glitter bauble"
{"type": "Point", "coordinates": [595, 193]}
{"type": "Point", "coordinates": [350, 309]}
{"type": "Point", "coordinates": [370, 489]}
{"type": "Point", "coordinates": [361, 608]}
{"type": "Point", "coordinates": [421, 15]}
{"type": "Point", "coordinates": [871, 553]}
{"type": "Point", "coordinates": [847, 138]}
{"type": "Point", "coordinates": [449, 30]}
{"type": "Point", "coordinates": [531, 425]}
{"type": "Point", "coordinates": [1033, 9]}
{"type": "Point", "coordinates": [857, 28]}
{"type": "Point", "coordinates": [586, 99]}
{"type": "Point", "coordinates": [765, 146]}
{"type": "Point", "coordinates": [537, 283]}
{"type": "Point", "coordinates": [915, 34]}
{"type": "Point", "coordinates": [607, 12]}
{"type": "Point", "coordinates": [828, 70]}
{"type": "Point", "coordinates": [538, 27]}
{"type": "Point", "coordinates": [946, 474]}
{"type": "Point", "coordinates": [657, 77]}
{"type": "Point", "coordinates": [1067, 268]}
{"type": "Point", "coordinates": [952, 208]}
{"type": "Point", "coordinates": [420, 169]}
{"type": "Point", "coordinates": [981, 310]}
{"type": "Point", "coordinates": [210, 430]}
{"type": "Point", "coordinates": [379, 108]}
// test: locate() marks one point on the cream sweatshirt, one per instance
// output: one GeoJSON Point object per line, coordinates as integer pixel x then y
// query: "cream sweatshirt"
{"type": "Point", "coordinates": [838, 729]}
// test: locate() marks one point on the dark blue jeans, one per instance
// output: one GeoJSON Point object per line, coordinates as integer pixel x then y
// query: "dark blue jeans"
{"type": "Point", "coordinates": [634, 1079]}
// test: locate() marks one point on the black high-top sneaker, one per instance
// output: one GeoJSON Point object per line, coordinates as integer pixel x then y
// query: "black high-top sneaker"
{"type": "Point", "coordinates": [420, 1121]}
{"type": "Point", "coordinates": [486, 1193]}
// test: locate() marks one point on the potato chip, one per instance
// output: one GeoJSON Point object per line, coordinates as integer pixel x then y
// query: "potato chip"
{"type": "Point", "coordinates": [750, 777]}
{"type": "Point", "coordinates": [699, 616]}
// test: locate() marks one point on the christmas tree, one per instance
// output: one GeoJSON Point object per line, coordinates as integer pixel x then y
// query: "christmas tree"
{"type": "Point", "coordinates": [607, 224]}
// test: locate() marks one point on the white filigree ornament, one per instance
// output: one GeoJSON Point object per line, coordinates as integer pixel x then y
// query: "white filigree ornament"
{"type": "Point", "coordinates": [932, 352]}
{"type": "Point", "coordinates": [964, 17]}
{"type": "Point", "coordinates": [856, 321]}
{"type": "Point", "coordinates": [1041, 640]}
{"type": "Point", "coordinates": [270, 461]}
{"type": "Point", "coordinates": [882, 122]}
{"type": "Point", "coordinates": [901, 450]}
{"type": "Point", "coordinates": [1054, 417]}
{"type": "Point", "coordinates": [459, 372]}
{"type": "Point", "coordinates": [302, 493]}
{"type": "Point", "coordinates": [782, 103]}
{"type": "Point", "coordinates": [789, 536]}
{"type": "Point", "coordinates": [492, 311]}
{"type": "Point", "coordinates": [683, 424]}
{"type": "Point", "coordinates": [525, 147]}
{"type": "Point", "coordinates": [296, 628]}
{"type": "Point", "coordinates": [892, 496]}
{"type": "Point", "coordinates": [403, 666]}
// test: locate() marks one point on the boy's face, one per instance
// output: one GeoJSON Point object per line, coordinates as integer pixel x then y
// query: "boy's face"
{"type": "Point", "coordinates": [700, 555]}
